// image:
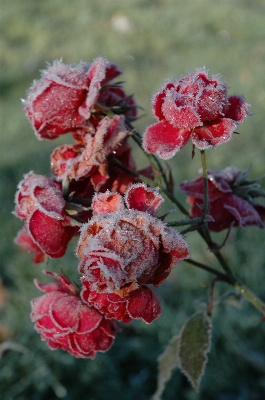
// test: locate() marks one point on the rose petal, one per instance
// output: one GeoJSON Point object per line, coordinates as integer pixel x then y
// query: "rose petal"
{"type": "Point", "coordinates": [142, 198]}
{"type": "Point", "coordinates": [164, 140]}
{"type": "Point", "coordinates": [107, 202]}
{"type": "Point", "coordinates": [212, 134]}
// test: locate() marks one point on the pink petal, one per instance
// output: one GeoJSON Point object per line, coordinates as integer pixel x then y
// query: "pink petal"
{"type": "Point", "coordinates": [164, 140]}
{"type": "Point", "coordinates": [64, 313]}
{"type": "Point", "coordinates": [50, 201]}
{"type": "Point", "coordinates": [142, 198]}
{"type": "Point", "coordinates": [108, 202]}
{"type": "Point", "coordinates": [90, 318]}
{"type": "Point", "coordinates": [49, 286]}
{"type": "Point", "coordinates": [41, 305]}
{"type": "Point", "coordinates": [213, 134]}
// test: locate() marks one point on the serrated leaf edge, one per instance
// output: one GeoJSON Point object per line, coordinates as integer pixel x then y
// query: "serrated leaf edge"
{"type": "Point", "coordinates": [209, 332]}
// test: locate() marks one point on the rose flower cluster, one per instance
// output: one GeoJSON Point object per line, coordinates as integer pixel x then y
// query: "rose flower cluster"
{"type": "Point", "coordinates": [123, 247]}
{"type": "Point", "coordinates": [95, 195]}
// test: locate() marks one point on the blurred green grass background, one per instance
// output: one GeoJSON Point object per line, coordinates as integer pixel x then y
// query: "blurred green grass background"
{"type": "Point", "coordinates": [150, 40]}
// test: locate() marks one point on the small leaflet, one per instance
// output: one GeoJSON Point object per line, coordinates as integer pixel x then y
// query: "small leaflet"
{"type": "Point", "coordinates": [194, 344]}
{"type": "Point", "coordinates": [167, 361]}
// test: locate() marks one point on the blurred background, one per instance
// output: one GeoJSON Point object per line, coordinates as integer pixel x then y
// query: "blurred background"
{"type": "Point", "coordinates": [150, 40]}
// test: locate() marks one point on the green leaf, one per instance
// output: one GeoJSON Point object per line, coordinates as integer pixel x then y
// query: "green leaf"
{"type": "Point", "coordinates": [167, 361]}
{"type": "Point", "coordinates": [194, 344]}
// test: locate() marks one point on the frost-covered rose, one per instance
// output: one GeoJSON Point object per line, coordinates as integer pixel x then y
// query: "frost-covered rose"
{"type": "Point", "coordinates": [65, 322]}
{"type": "Point", "coordinates": [68, 98]}
{"type": "Point", "coordinates": [39, 202]}
{"type": "Point", "coordinates": [124, 245]}
{"type": "Point", "coordinates": [195, 106]}
{"type": "Point", "coordinates": [231, 197]}
{"type": "Point", "coordinates": [141, 303]}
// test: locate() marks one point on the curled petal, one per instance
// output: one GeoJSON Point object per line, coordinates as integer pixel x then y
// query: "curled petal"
{"type": "Point", "coordinates": [41, 305]}
{"type": "Point", "coordinates": [141, 303]}
{"type": "Point", "coordinates": [53, 101]}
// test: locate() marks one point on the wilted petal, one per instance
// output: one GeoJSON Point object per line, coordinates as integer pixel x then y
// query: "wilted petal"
{"type": "Point", "coordinates": [243, 211]}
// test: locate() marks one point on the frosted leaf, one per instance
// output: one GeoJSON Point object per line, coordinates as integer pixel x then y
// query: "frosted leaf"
{"type": "Point", "coordinates": [167, 361]}
{"type": "Point", "coordinates": [194, 344]}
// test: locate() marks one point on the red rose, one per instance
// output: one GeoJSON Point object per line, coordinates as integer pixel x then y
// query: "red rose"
{"type": "Point", "coordinates": [197, 107]}
{"type": "Point", "coordinates": [68, 98]}
{"type": "Point", "coordinates": [65, 322]}
{"type": "Point", "coordinates": [122, 248]}
{"type": "Point", "coordinates": [230, 197]}
{"type": "Point", "coordinates": [39, 202]}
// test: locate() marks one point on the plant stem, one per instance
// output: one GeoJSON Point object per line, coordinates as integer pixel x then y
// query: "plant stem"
{"type": "Point", "coordinates": [129, 171]}
{"type": "Point", "coordinates": [174, 201]}
{"type": "Point", "coordinates": [251, 297]}
{"type": "Point", "coordinates": [220, 275]}
{"type": "Point", "coordinates": [189, 221]}
{"type": "Point", "coordinates": [205, 185]}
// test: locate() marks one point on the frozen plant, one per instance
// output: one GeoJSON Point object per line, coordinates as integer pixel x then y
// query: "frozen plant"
{"type": "Point", "coordinates": [97, 195]}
